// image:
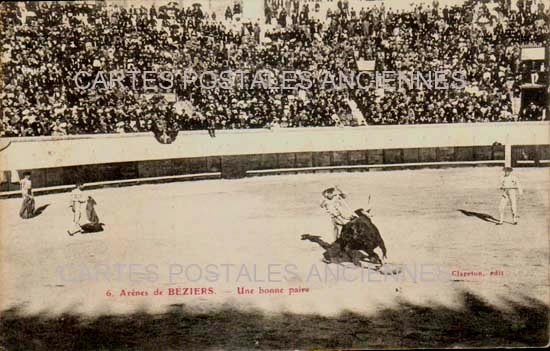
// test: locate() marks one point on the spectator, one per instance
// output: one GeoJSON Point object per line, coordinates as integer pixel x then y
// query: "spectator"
{"type": "Point", "coordinates": [45, 44]}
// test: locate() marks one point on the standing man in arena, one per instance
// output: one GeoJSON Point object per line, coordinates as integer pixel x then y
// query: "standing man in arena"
{"type": "Point", "coordinates": [27, 207]}
{"type": "Point", "coordinates": [509, 187]}
{"type": "Point", "coordinates": [78, 207]}
{"type": "Point", "coordinates": [335, 205]}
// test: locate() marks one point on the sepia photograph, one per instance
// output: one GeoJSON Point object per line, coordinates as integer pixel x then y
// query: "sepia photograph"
{"type": "Point", "coordinates": [274, 174]}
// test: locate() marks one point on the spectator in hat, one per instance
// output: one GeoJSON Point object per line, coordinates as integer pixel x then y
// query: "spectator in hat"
{"type": "Point", "coordinates": [228, 13]}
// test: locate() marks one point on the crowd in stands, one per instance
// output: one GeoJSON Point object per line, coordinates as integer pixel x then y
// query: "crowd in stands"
{"type": "Point", "coordinates": [45, 44]}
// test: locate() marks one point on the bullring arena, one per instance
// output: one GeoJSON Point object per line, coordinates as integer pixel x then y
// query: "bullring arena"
{"type": "Point", "coordinates": [192, 239]}
{"type": "Point", "coordinates": [258, 221]}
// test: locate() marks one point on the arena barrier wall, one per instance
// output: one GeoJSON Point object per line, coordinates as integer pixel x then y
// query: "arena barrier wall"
{"type": "Point", "coordinates": [133, 158]}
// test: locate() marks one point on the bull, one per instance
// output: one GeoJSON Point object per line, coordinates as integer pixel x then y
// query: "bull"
{"type": "Point", "coordinates": [358, 235]}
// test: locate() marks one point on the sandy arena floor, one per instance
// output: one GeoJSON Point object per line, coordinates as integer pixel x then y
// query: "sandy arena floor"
{"type": "Point", "coordinates": [256, 222]}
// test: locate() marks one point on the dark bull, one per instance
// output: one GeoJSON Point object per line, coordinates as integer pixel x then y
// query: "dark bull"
{"type": "Point", "coordinates": [358, 235]}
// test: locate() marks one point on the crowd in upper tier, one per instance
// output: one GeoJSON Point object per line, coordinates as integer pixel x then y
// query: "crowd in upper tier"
{"type": "Point", "coordinates": [45, 44]}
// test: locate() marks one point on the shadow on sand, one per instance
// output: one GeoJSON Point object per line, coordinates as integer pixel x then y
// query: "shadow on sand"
{"type": "Point", "coordinates": [477, 324]}
{"type": "Point", "coordinates": [483, 216]}
{"type": "Point", "coordinates": [89, 228]}
{"type": "Point", "coordinates": [38, 211]}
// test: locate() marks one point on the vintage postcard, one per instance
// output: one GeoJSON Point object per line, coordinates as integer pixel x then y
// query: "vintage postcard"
{"type": "Point", "coordinates": [274, 174]}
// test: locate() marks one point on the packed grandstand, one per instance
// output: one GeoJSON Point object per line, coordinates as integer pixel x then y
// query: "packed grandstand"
{"type": "Point", "coordinates": [44, 45]}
